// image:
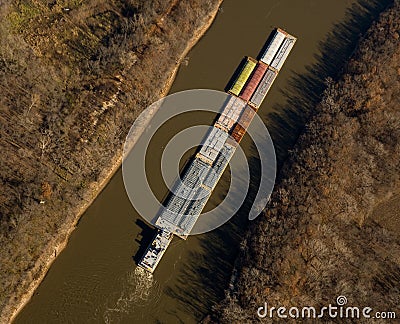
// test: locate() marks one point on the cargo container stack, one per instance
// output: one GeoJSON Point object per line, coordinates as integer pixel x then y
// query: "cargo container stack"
{"type": "Point", "coordinates": [191, 194]}
{"type": "Point", "coordinates": [254, 80]}
{"type": "Point", "coordinates": [255, 86]}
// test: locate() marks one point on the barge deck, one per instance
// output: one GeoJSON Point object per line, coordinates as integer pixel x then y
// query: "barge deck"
{"type": "Point", "coordinates": [248, 91]}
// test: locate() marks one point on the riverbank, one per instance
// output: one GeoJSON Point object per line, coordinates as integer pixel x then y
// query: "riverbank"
{"type": "Point", "coordinates": [331, 228]}
{"type": "Point", "coordinates": [58, 243]}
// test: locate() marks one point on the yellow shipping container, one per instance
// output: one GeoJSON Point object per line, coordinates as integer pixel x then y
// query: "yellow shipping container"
{"type": "Point", "coordinates": [244, 75]}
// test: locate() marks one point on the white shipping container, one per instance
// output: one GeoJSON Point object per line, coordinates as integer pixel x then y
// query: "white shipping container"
{"type": "Point", "coordinates": [283, 53]}
{"type": "Point", "coordinates": [231, 113]}
{"type": "Point", "coordinates": [273, 47]}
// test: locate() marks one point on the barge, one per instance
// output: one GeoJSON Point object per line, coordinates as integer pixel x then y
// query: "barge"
{"type": "Point", "coordinates": [199, 179]}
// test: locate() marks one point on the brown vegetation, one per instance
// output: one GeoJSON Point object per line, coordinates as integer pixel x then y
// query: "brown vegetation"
{"type": "Point", "coordinates": [331, 227]}
{"type": "Point", "coordinates": [73, 77]}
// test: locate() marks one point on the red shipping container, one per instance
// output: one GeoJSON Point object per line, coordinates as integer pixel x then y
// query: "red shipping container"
{"type": "Point", "coordinates": [254, 81]}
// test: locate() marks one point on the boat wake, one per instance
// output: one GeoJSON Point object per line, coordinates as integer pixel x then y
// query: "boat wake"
{"type": "Point", "coordinates": [139, 288]}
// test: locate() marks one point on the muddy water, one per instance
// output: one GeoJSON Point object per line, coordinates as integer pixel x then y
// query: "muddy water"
{"type": "Point", "coordinates": [95, 278]}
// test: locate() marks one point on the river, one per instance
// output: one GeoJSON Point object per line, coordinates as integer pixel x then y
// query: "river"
{"type": "Point", "coordinates": [95, 278]}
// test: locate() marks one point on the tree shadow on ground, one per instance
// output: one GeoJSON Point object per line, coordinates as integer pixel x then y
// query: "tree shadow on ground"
{"type": "Point", "coordinates": [286, 121]}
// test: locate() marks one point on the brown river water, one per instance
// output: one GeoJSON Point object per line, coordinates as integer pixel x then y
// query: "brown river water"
{"type": "Point", "coordinates": [95, 279]}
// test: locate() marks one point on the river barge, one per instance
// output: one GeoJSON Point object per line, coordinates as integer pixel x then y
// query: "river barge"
{"type": "Point", "coordinates": [248, 89]}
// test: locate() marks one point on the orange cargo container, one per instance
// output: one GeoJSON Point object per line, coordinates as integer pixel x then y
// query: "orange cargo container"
{"type": "Point", "coordinates": [238, 133]}
{"type": "Point", "coordinates": [254, 81]}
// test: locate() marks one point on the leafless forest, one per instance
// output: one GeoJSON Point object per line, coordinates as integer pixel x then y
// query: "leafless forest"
{"type": "Point", "coordinates": [73, 76]}
{"type": "Point", "coordinates": [332, 226]}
